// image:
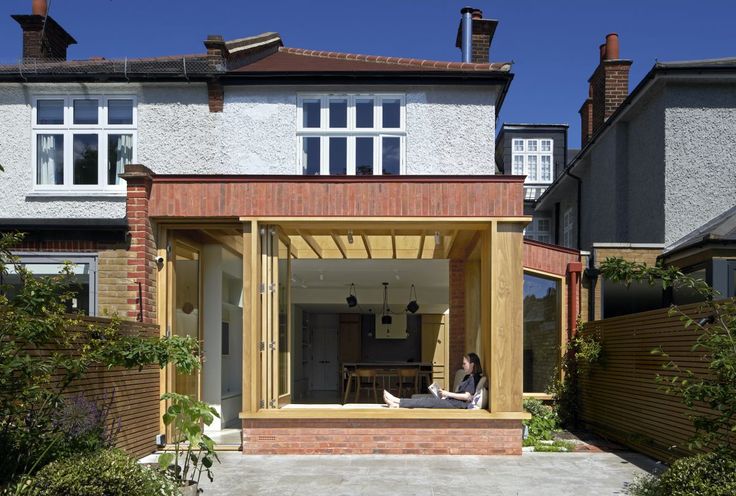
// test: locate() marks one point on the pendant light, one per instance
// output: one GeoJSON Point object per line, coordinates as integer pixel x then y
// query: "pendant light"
{"type": "Point", "coordinates": [412, 306]}
{"type": "Point", "coordinates": [352, 299]}
{"type": "Point", "coordinates": [385, 317]}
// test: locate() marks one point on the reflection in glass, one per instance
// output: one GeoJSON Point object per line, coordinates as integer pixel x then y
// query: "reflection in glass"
{"type": "Point", "coordinates": [311, 111]}
{"type": "Point", "coordinates": [338, 113]}
{"type": "Point", "coordinates": [85, 158]}
{"type": "Point", "coordinates": [50, 112]}
{"type": "Point", "coordinates": [119, 153]}
{"type": "Point", "coordinates": [120, 111]}
{"type": "Point", "coordinates": [541, 332]}
{"type": "Point", "coordinates": [310, 159]}
{"type": "Point", "coordinates": [338, 156]}
{"type": "Point", "coordinates": [50, 159]}
{"type": "Point", "coordinates": [391, 112]}
{"type": "Point", "coordinates": [364, 156]}
{"type": "Point", "coordinates": [186, 310]}
{"type": "Point", "coordinates": [390, 154]}
{"type": "Point", "coordinates": [78, 282]}
{"type": "Point", "coordinates": [364, 112]}
{"type": "Point", "coordinates": [85, 111]}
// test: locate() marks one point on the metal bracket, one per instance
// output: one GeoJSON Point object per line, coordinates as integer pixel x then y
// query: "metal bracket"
{"type": "Point", "coordinates": [272, 345]}
{"type": "Point", "coordinates": [262, 346]}
{"type": "Point", "coordinates": [272, 403]}
{"type": "Point", "coordinates": [262, 404]}
{"type": "Point", "coordinates": [261, 288]}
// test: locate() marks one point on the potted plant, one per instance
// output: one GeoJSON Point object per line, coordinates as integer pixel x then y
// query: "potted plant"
{"type": "Point", "coordinates": [194, 452]}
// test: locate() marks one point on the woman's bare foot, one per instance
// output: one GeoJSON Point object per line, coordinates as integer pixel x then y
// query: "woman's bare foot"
{"type": "Point", "coordinates": [390, 399]}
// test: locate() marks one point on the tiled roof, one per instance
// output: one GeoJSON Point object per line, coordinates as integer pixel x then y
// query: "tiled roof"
{"type": "Point", "coordinates": [287, 59]}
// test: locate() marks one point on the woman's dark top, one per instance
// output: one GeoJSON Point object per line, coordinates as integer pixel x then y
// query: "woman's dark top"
{"type": "Point", "coordinates": [467, 385]}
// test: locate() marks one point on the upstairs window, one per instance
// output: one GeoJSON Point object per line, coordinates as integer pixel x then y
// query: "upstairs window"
{"type": "Point", "coordinates": [351, 134]}
{"type": "Point", "coordinates": [82, 143]}
{"type": "Point", "coordinates": [536, 155]}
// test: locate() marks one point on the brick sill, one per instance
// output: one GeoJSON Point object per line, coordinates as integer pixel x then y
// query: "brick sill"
{"type": "Point", "coordinates": [382, 413]}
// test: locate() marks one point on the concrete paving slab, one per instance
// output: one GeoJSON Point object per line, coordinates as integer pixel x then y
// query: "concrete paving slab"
{"type": "Point", "coordinates": [548, 474]}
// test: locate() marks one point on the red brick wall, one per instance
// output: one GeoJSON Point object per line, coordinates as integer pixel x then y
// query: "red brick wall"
{"type": "Point", "coordinates": [382, 436]}
{"type": "Point", "coordinates": [142, 259]}
{"type": "Point", "coordinates": [301, 196]}
{"type": "Point", "coordinates": [548, 258]}
{"type": "Point", "coordinates": [457, 318]}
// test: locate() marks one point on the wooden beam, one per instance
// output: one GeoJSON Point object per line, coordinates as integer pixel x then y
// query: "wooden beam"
{"type": "Point", "coordinates": [311, 242]}
{"type": "Point", "coordinates": [421, 245]}
{"type": "Point", "coordinates": [226, 241]}
{"type": "Point", "coordinates": [367, 244]}
{"type": "Point", "coordinates": [393, 244]}
{"type": "Point", "coordinates": [340, 245]}
{"type": "Point", "coordinates": [450, 243]}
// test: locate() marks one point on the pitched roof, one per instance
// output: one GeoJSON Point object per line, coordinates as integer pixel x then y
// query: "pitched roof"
{"type": "Point", "coordinates": [721, 228]}
{"type": "Point", "coordinates": [287, 59]}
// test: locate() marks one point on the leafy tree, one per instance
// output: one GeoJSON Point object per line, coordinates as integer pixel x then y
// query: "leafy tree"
{"type": "Point", "coordinates": [43, 350]}
{"type": "Point", "coordinates": [716, 344]}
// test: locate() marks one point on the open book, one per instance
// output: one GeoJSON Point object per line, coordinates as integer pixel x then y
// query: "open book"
{"type": "Point", "coordinates": [434, 388]}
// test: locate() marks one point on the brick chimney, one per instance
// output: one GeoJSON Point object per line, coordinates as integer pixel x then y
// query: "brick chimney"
{"type": "Point", "coordinates": [609, 87]}
{"type": "Point", "coordinates": [43, 37]}
{"type": "Point", "coordinates": [482, 36]}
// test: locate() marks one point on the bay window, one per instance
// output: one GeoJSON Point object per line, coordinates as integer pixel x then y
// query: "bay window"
{"type": "Point", "coordinates": [351, 134]}
{"type": "Point", "coordinates": [82, 143]}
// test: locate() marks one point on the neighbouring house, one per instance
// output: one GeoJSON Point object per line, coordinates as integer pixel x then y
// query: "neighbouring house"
{"type": "Point", "coordinates": [319, 220]}
{"type": "Point", "coordinates": [539, 152]}
{"type": "Point", "coordinates": [655, 165]}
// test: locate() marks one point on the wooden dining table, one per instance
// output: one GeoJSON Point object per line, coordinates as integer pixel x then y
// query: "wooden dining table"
{"type": "Point", "coordinates": [385, 371]}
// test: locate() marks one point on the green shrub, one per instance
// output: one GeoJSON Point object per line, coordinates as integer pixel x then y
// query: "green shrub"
{"type": "Point", "coordinates": [108, 472]}
{"type": "Point", "coordinates": [543, 424]}
{"type": "Point", "coordinates": [711, 474]}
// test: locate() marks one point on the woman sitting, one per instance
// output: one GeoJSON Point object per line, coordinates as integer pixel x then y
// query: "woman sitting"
{"type": "Point", "coordinates": [461, 398]}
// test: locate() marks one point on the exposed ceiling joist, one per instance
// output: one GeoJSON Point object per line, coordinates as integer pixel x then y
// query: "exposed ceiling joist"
{"type": "Point", "coordinates": [421, 245]}
{"type": "Point", "coordinates": [393, 244]}
{"type": "Point", "coordinates": [228, 242]}
{"type": "Point", "coordinates": [367, 245]}
{"type": "Point", "coordinates": [311, 242]}
{"type": "Point", "coordinates": [449, 242]}
{"type": "Point", "coordinates": [340, 245]}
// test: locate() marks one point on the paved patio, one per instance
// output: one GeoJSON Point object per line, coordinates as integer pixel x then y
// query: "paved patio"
{"type": "Point", "coordinates": [535, 474]}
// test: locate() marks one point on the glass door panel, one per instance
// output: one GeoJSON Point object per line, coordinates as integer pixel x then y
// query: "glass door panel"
{"type": "Point", "coordinates": [186, 311]}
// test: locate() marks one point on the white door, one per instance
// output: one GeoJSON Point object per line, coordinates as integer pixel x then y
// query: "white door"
{"type": "Point", "coordinates": [324, 353]}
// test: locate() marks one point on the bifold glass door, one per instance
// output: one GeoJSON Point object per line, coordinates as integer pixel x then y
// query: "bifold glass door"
{"type": "Point", "coordinates": [275, 313]}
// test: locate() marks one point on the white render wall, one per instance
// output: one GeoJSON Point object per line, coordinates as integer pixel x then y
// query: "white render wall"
{"type": "Point", "coordinates": [700, 151]}
{"type": "Point", "coordinates": [449, 130]}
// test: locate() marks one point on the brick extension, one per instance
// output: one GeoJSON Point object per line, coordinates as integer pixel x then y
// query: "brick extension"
{"type": "Point", "coordinates": [382, 436]}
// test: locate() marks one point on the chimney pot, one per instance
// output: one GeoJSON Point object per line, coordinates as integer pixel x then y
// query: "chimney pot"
{"type": "Point", "coordinates": [477, 14]}
{"type": "Point", "coordinates": [602, 49]}
{"type": "Point", "coordinates": [40, 7]}
{"type": "Point", "coordinates": [612, 46]}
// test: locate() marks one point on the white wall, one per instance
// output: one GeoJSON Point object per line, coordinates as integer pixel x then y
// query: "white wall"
{"type": "Point", "coordinates": [450, 130]}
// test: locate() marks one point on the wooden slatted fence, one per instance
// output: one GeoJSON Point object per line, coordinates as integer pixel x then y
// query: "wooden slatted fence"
{"type": "Point", "coordinates": [135, 400]}
{"type": "Point", "coordinates": [620, 397]}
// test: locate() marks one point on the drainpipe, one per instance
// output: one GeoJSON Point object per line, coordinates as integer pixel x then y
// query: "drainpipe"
{"type": "Point", "coordinates": [467, 40]}
{"type": "Point", "coordinates": [573, 271]}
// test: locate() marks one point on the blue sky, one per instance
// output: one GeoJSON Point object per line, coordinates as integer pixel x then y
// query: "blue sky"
{"type": "Point", "coordinates": [554, 44]}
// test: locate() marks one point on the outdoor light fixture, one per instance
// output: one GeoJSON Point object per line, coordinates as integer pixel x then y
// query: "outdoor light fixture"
{"type": "Point", "coordinates": [350, 236]}
{"type": "Point", "coordinates": [412, 306]}
{"type": "Point", "coordinates": [352, 299]}
{"type": "Point", "coordinates": [385, 317]}
{"type": "Point", "coordinates": [437, 239]}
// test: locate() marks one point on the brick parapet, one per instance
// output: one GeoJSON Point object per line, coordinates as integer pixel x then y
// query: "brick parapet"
{"type": "Point", "coordinates": [299, 196]}
{"type": "Point", "coordinates": [381, 436]}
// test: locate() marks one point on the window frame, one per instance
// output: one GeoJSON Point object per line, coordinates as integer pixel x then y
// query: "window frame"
{"type": "Point", "coordinates": [68, 129]}
{"type": "Point", "coordinates": [526, 153]}
{"type": "Point", "coordinates": [75, 258]}
{"type": "Point", "coordinates": [351, 132]}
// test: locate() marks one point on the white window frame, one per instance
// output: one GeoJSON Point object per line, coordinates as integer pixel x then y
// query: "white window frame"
{"type": "Point", "coordinates": [538, 153]}
{"type": "Point", "coordinates": [102, 129]}
{"type": "Point", "coordinates": [351, 132]}
{"type": "Point", "coordinates": [568, 225]}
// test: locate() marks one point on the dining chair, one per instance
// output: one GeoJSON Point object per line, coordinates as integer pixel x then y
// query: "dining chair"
{"type": "Point", "coordinates": [408, 376]}
{"type": "Point", "coordinates": [359, 375]}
